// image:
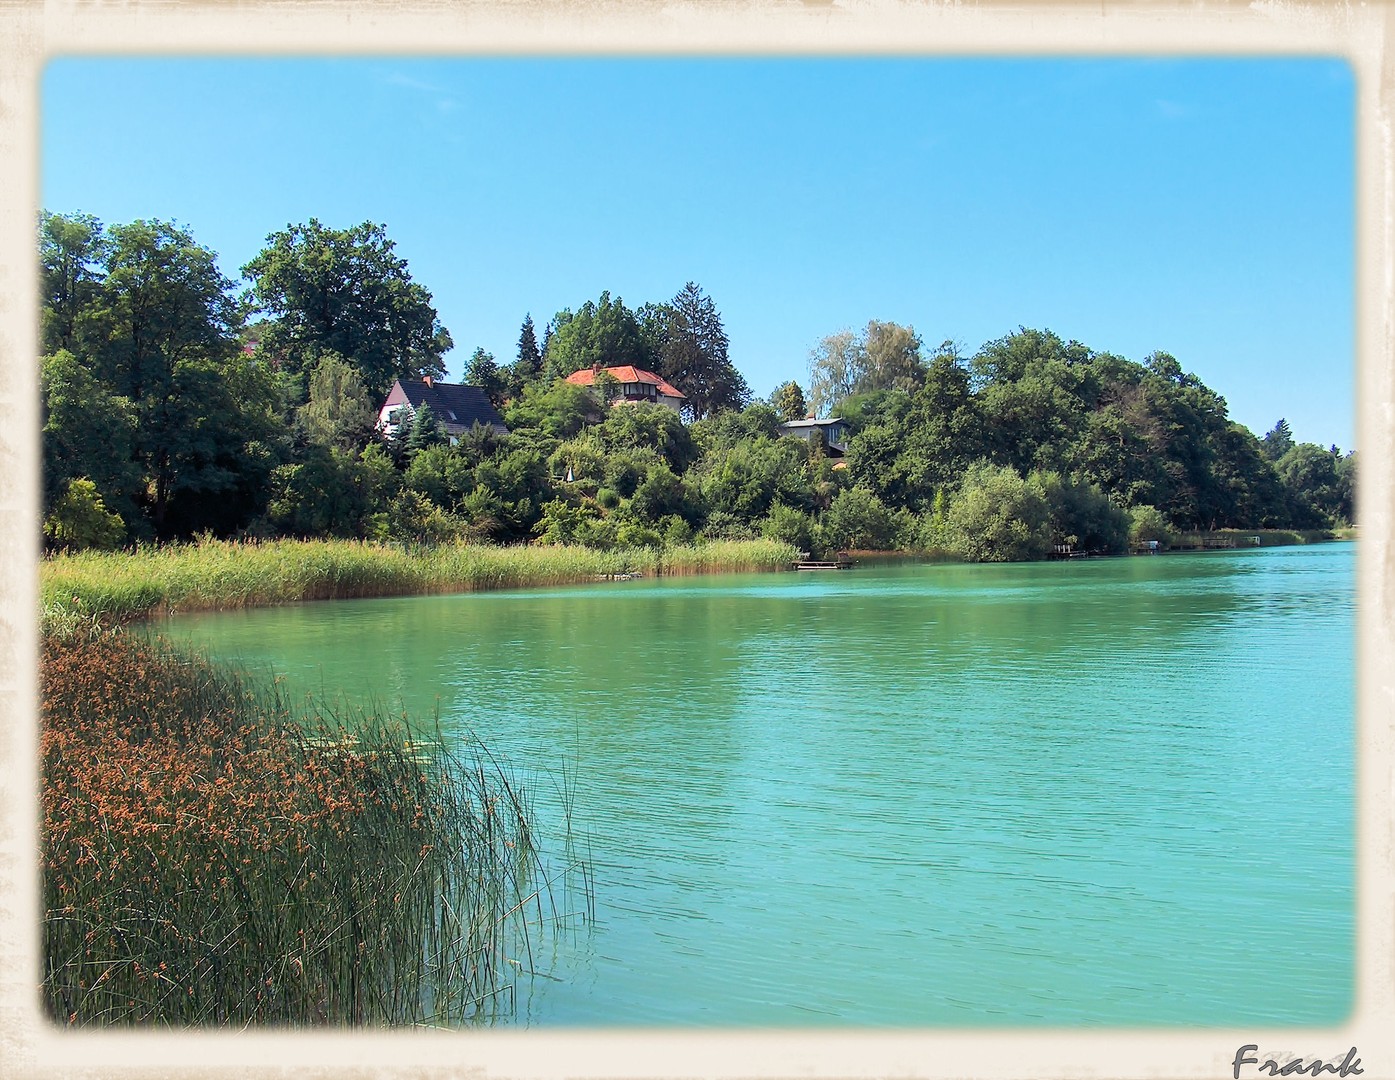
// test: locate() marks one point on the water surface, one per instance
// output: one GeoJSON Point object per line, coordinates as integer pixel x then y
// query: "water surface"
{"type": "Point", "coordinates": [1102, 792]}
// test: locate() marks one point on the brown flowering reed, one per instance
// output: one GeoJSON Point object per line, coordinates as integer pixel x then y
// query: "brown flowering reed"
{"type": "Point", "coordinates": [213, 856]}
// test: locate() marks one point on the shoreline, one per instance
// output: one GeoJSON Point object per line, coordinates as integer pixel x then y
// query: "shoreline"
{"type": "Point", "coordinates": [220, 575]}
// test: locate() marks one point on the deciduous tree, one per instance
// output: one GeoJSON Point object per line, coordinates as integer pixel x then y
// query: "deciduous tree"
{"type": "Point", "coordinates": [346, 291]}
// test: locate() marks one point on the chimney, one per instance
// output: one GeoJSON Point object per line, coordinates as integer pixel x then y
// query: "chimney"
{"type": "Point", "coordinates": [595, 365]}
{"type": "Point", "coordinates": [426, 379]}
{"type": "Point", "coordinates": [811, 416]}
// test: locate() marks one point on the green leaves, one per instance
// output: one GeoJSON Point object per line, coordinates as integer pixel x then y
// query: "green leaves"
{"type": "Point", "coordinates": [346, 291]}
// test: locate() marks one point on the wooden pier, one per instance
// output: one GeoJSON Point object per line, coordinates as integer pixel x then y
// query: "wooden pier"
{"type": "Point", "coordinates": [841, 562]}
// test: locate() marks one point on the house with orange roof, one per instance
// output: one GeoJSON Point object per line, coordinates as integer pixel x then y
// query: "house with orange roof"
{"type": "Point", "coordinates": [636, 385]}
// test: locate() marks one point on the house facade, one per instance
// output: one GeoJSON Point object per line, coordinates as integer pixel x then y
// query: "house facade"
{"type": "Point", "coordinates": [457, 407]}
{"type": "Point", "coordinates": [636, 385]}
{"type": "Point", "coordinates": [835, 432]}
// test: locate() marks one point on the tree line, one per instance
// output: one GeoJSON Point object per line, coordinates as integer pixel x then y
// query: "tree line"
{"type": "Point", "coordinates": [176, 402]}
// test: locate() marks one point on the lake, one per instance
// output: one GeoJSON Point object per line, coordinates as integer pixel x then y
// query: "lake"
{"type": "Point", "coordinates": [1097, 792]}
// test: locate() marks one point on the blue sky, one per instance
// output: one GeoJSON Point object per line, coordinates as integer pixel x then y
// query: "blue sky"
{"type": "Point", "coordinates": [1200, 207]}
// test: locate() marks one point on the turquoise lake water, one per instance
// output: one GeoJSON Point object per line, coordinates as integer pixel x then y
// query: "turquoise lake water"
{"type": "Point", "coordinates": [1104, 792]}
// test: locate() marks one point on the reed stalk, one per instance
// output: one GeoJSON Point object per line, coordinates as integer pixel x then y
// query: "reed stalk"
{"type": "Point", "coordinates": [216, 855]}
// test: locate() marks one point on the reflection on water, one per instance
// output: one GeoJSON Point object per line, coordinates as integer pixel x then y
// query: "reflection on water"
{"type": "Point", "coordinates": [918, 794]}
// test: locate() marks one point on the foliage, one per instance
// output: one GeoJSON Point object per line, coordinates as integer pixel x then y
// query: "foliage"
{"type": "Point", "coordinates": [1147, 523]}
{"type": "Point", "coordinates": [340, 413]}
{"type": "Point", "coordinates": [602, 333]}
{"type": "Point", "coordinates": [884, 356]}
{"type": "Point", "coordinates": [80, 520]}
{"type": "Point", "coordinates": [1319, 484]}
{"type": "Point", "coordinates": [154, 331]}
{"type": "Point", "coordinates": [1278, 440]}
{"type": "Point", "coordinates": [997, 516]}
{"type": "Point", "coordinates": [1082, 516]}
{"type": "Point", "coordinates": [858, 520]}
{"type": "Point", "coordinates": [528, 361]}
{"type": "Point", "coordinates": [483, 372]}
{"type": "Point", "coordinates": [72, 254]}
{"type": "Point", "coordinates": [345, 291]}
{"type": "Point", "coordinates": [558, 409]}
{"type": "Point", "coordinates": [426, 431]}
{"type": "Point", "coordinates": [787, 400]}
{"type": "Point", "coordinates": [790, 526]}
{"type": "Point", "coordinates": [692, 354]}
{"type": "Point", "coordinates": [88, 432]}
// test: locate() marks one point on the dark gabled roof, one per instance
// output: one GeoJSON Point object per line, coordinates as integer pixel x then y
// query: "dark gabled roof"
{"type": "Point", "coordinates": [454, 404]}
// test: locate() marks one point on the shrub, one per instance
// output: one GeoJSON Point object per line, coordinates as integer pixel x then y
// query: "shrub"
{"type": "Point", "coordinates": [790, 526]}
{"type": "Point", "coordinates": [1082, 515]}
{"type": "Point", "coordinates": [81, 520]}
{"type": "Point", "coordinates": [1149, 523]}
{"type": "Point", "coordinates": [997, 516]}
{"type": "Point", "coordinates": [857, 519]}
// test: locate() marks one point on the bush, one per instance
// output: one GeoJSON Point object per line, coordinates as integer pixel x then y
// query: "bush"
{"type": "Point", "coordinates": [1082, 515]}
{"type": "Point", "coordinates": [857, 519]}
{"type": "Point", "coordinates": [997, 516]}
{"type": "Point", "coordinates": [790, 526]}
{"type": "Point", "coordinates": [81, 520]}
{"type": "Point", "coordinates": [1149, 523]}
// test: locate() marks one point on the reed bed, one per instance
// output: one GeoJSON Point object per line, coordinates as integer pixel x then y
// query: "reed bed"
{"type": "Point", "coordinates": [728, 556]}
{"type": "Point", "coordinates": [216, 574]}
{"type": "Point", "coordinates": [214, 856]}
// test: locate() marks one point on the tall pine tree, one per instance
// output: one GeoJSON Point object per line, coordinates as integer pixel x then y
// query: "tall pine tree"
{"type": "Point", "coordinates": [693, 355]}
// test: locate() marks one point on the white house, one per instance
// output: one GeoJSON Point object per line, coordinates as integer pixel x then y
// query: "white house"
{"type": "Point", "coordinates": [456, 407]}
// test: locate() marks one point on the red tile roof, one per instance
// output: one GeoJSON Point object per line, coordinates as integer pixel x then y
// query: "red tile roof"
{"type": "Point", "coordinates": [626, 373]}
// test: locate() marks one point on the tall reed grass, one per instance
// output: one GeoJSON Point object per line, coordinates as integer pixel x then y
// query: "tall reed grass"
{"type": "Point", "coordinates": [215, 574]}
{"type": "Point", "coordinates": [213, 855]}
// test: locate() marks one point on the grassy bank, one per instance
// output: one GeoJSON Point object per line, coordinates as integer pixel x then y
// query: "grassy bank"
{"type": "Point", "coordinates": [212, 855]}
{"type": "Point", "coordinates": [216, 574]}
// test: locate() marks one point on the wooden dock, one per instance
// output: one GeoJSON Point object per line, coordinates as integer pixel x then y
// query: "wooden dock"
{"type": "Point", "coordinates": [842, 562]}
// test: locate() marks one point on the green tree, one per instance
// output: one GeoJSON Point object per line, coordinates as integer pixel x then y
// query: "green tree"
{"type": "Point", "coordinates": [346, 291]}
{"type": "Point", "coordinates": [787, 400]}
{"type": "Point", "coordinates": [858, 520]}
{"type": "Point", "coordinates": [79, 519]}
{"type": "Point", "coordinates": [1318, 493]}
{"type": "Point", "coordinates": [1082, 515]}
{"type": "Point", "coordinates": [602, 333]}
{"type": "Point", "coordinates": [339, 413]}
{"type": "Point", "coordinates": [790, 526]}
{"type": "Point", "coordinates": [72, 250]}
{"type": "Point", "coordinates": [1149, 523]}
{"type": "Point", "coordinates": [558, 410]}
{"type": "Point", "coordinates": [527, 364]}
{"type": "Point", "coordinates": [166, 339]}
{"type": "Point", "coordinates": [425, 432]}
{"type": "Point", "coordinates": [88, 432]}
{"type": "Point", "coordinates": [836, 367]}
{"type": "Point", "coordinates": [1278, 441]}
{"type": "Point", "coordinates": [693, 354]}
{"type": "Point", "coordinates": [892, 357]}
{"type": "Point", "coordinates": [997, 516]}
{"type": "Point", "coordinates": [483, 372]}
{"type": "Point", "coordinates": [605, 388]}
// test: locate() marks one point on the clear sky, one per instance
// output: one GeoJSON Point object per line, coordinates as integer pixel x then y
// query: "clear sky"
{"type": "Point", "coordinates": [1200, 207]}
